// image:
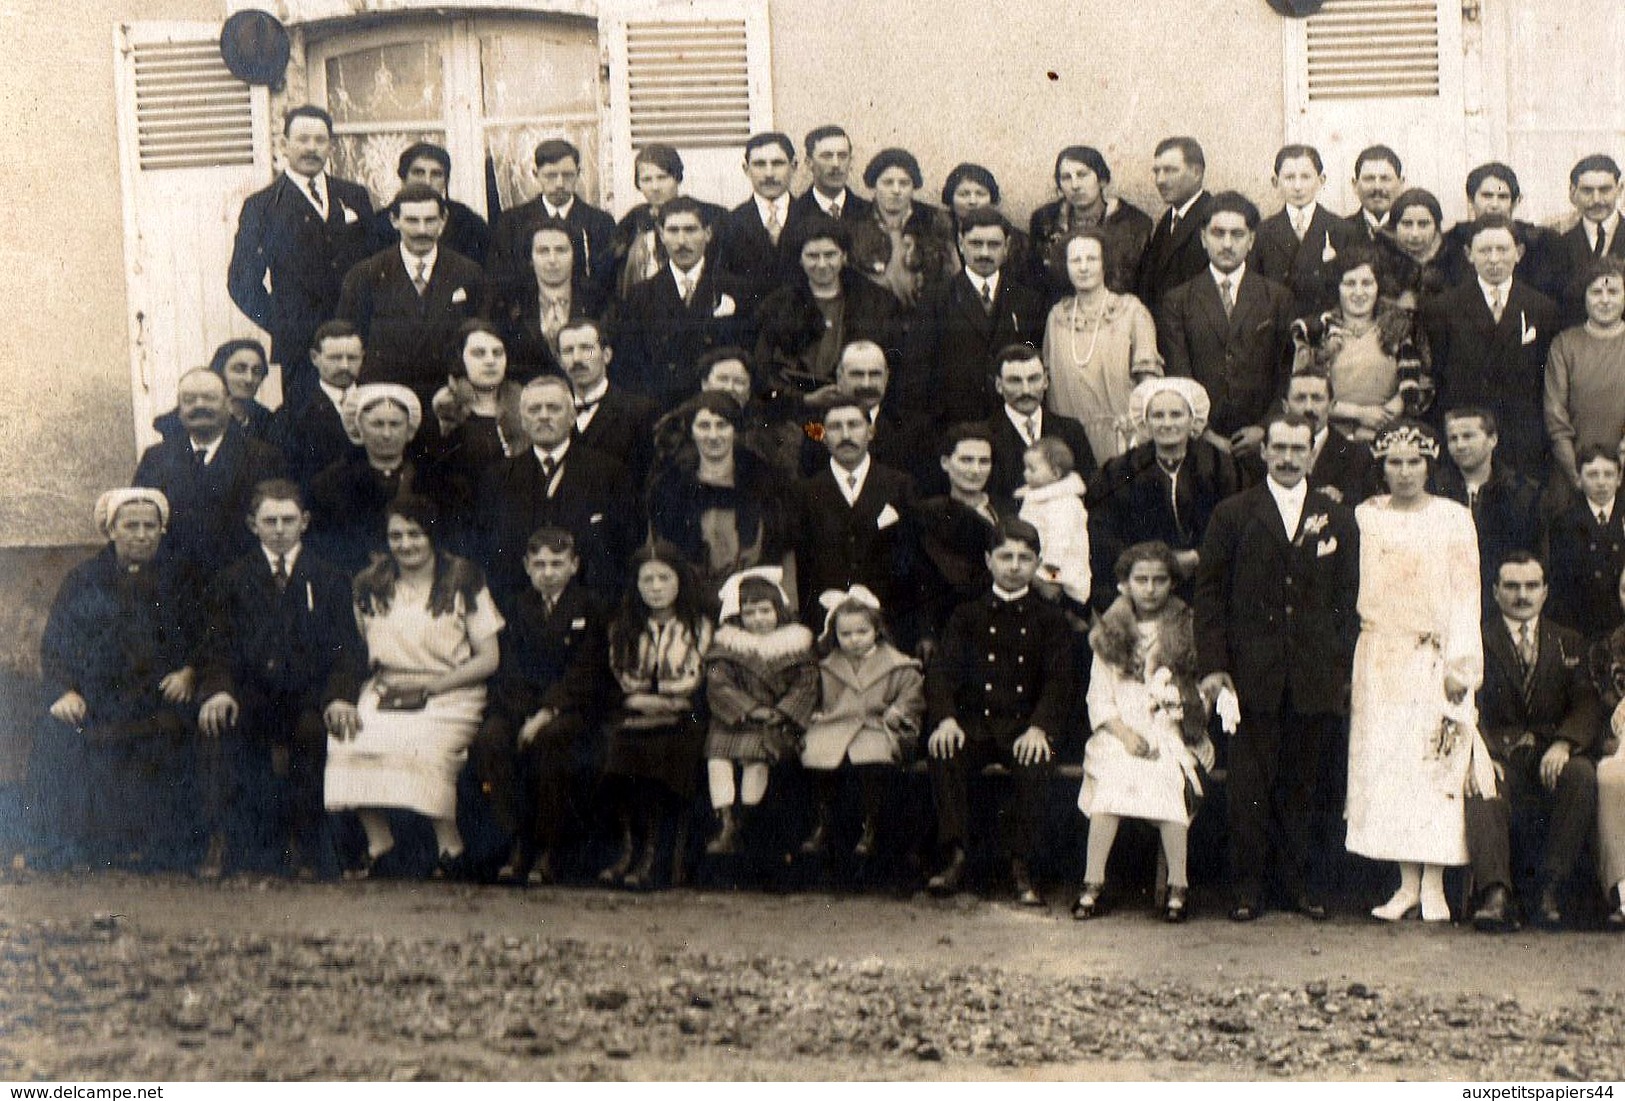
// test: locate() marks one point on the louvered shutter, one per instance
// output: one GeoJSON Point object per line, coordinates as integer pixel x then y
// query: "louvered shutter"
{"type": "Point", "coordinates": [1363, 72]}
{"type": "Point", "coordinates": [194, 142]}
{"type": "Point", "coordinates": [695, 77]}
{"type": "Point", "coordinates": [1373, 49]}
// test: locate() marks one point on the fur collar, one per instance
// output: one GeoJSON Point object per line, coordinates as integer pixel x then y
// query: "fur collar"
{"type": "Point", "coordinates": [1116, 638]}
{"type": "Point", "coordinates": [788, 641]}
{"type": "Point", "coordinates": [1069, 486]}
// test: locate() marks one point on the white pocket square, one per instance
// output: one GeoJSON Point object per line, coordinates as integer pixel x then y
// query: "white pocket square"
{"type": "Point", "coordinates": [596, 518]}
{"type": "Point", "coordinates": [459, 295]}
{"type": "Point", "coordinates": [725, 307]}
{"type": "Point", "coordinates": [888, 516]}
{"type": "Point", "coordinates": [1326, 547]}
{"type": "Point", "coordinates": [350, 216]}
{"type": "Point", "coordinates": [578, 624]}
{"type": "Point", "coordinates": [1328, 254]}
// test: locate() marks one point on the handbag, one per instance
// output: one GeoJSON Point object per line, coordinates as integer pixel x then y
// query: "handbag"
{"type": "Point", "coordinates": [403, 699]}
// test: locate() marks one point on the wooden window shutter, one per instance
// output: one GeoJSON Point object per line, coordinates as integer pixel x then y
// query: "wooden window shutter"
{"type": "Point", "coordinates": [1373, 49]}
{"type": "Point", "coordinates": [693, 76]}
{"type": "Point", "coordinates": [190, 112]}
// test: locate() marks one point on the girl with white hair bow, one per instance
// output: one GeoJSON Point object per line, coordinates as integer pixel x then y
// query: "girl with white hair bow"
{"type": "Point", "coordinates": [871, 699]}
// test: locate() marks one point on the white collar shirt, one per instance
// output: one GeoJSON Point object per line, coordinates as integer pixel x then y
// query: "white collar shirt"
{"type": "Point", "coordinates": [851, 482]}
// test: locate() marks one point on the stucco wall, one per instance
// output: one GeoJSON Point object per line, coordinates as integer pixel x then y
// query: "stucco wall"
{"type": "Point", "coordinates": [968, 80]}
{"type": "Point", "coordinates": [65, 427]}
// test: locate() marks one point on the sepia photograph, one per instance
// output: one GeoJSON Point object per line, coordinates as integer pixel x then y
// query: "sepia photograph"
{"type": "Point", "coordinates": [812, 540]}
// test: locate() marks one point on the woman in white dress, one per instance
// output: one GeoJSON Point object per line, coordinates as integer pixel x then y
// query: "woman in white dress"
{"type": "Point", "coordinates": [431, 633]}
{"type": "Point", "coordinates": [1098, 346]}
{"type": "Point", "coordinates": [1419, 658]}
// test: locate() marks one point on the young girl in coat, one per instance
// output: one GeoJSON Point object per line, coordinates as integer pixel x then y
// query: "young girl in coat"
{"type": "Point", "coordinates": [1150, 741]}
{"type": "Point", "coordinates": [871, 700]}
{"type": "Point", "coordinates": [1052, 502]}
{"type": "Point", "coordinates": [761, 683]}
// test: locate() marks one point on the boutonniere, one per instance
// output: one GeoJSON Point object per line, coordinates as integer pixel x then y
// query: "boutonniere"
{"type": "Point", "coordinates": [1530, 333]}
{"type": "Point", "coordinates": [459, 295]}
{"type": "Point", "coordinates": [1314, 525]}
{"type": "Point", "coordinates": [814, 431]}
{"type": "Point", "coordinates": [878, 267]}
{"type": "Point", "coordinates": [725, 307]}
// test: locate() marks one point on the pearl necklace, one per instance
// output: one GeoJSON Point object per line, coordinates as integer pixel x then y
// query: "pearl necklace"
{"type": "Point", "coordinates": [1077, 311]}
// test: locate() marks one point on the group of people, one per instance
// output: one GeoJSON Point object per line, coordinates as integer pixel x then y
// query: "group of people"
{"type": "Point", "coordinates": [564, 519]}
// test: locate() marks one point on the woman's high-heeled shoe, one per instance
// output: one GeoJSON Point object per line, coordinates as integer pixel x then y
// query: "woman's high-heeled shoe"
{"type": "Point", "coordinates": [1435, 907]}
{"type": "Point", "coordinates": [1404, 904]}
{"type": "Point", "coordinates": [1088, 904]}
{"type": "Point", "coordinates": [1174, 910]}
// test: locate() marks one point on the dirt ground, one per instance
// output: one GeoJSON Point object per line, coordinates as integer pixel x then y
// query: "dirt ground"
{"type": "Point", "coordinates": [119, 976]}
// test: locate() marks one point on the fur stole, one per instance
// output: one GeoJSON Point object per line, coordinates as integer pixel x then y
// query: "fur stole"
{"type": "Point", "coordinates": [1115, 639]}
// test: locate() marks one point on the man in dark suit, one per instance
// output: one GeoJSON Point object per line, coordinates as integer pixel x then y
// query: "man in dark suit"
{"type": "Point", "coordinates": [1174, 254]}
{"type": "Point", "coordinates": [558, 167]}
{"type": "Point", "coordinates": [862, 375]}
{"type": "Point", "coordinates": [208, 472]}
{"type": "Point", "coordinates": [1504, 501]}
{"type": "Point", "coordinates": [281, 666]}
{"type": "Point", "coordinates": [408, 300]}
{"type": "Point", "coordinates": [304, 231]}
{"type": "Point", "coordinates": [1338, 467]}
{"type": "Point", "coordinates": [312, 436]}
{"type": "Point", "coordinates": [1298, 245]}
{"type": "Point", "coordinates": [557, 483]}
{"type": "Point", "coordinates": [962, 324]}
{"type": "Point", "coordinates": [751, 237]}
{"type": "Point", "coordinates": [1587, 542]}
{"type": "Point", "coordinates": [998, 690]}
{"type": "Point", "coordinates": [1538, 713]}
{"type": "Point", "coordinates": [537, 750]}
{"type": "Point", "coordinates": [1276, 626]}
{"type": "Point", "coordinates": [1379, 177]}
{"type": "Point", "coordinates": [1493, 191]}
{"type": "Point", "coordinates": [856, 524]}
{"type": "Point", "coordinates": [466, 233]}
{"type": "Point", "coordinates": [829, 159]}
{"type": "Point", "coordinates": [1230, 329]}
{"type": "Point", "coordinates": [1489, 338]}
{"type": "Point", "coordinates": [670, 320]}
{"type": "Point", "coordinates": [1594, 191]}
{"type": "Point", "coordinates": [1022, 381]}
{"type": "Point", "coordinates": [609, 419]}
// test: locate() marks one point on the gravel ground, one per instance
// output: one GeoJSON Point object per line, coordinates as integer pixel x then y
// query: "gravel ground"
{"type": "Point", "coordinates": [119, 977]}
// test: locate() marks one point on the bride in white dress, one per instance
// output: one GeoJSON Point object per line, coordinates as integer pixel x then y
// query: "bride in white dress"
{"type": "Point", "coordinates": [1419, 658]}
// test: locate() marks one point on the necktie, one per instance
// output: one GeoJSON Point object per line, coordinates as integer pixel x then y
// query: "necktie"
{"type": "Point", "coordinates": [550, 467]}
{"type": "Point", "coordinates": [1472, 500]}
{"type": "Point", "coordinates": [1032, 431]}
{"type": "Point", "coordinates": [773, 226]}
{"type": "Point", "coordinates": [200, 458]}
{"type": "Point", "coordinates": [280, 574]}
{"type": "Point", "coordinates": [987, 299]}
{"type": "Point", "coordinates": [687, 289]}
{"type": "Point", "coordinates": [316, 197]}
{"type": "Point", "coordinates": [420, 282]}
{"type": "Point", "coordinates": [835, 210]}
{"type": "Point", "coordinates": [1497, 306]}
{"type": "Point", "coordinates": [1300, 223]}
{"type": "Point", "coordinates": [1526, 655]}
{"type": "Point", "coordinates": [1173, 221]}
{"type": "Point", "coordinates": [1227, 294]}
{"type": "Point", "coordinates": [1602, 518]}
{"type": "Point", "coordinates": [1600, 246]}
{"type": "Point", "coordinates": [852, 484]}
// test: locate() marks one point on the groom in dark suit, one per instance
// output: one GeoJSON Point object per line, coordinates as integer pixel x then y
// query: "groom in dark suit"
{"type": "Point", "coordinates": [408, 300]}
{"type": "Point", "coordinates": [305, 231]}
{"type": "Point", "coordinates": [1276, 625]}
{"type": "Point", "coordinates": [1539, 714]}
